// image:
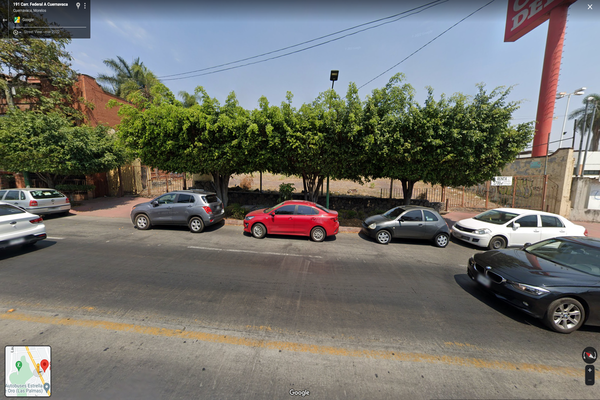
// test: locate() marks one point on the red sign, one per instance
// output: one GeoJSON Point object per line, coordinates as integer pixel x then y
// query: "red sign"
{"type": "Point", "coordinates": [525, 15]}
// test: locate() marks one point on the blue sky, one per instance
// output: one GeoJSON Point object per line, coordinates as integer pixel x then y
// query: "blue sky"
{"type": "Point", "coordinates": [173, 37]}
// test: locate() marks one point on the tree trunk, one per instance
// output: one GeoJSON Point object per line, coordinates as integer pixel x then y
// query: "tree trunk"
{"type": "Point", "coordinates": [120, 191]}
{"type": "Point", "coordinates": [392, 189]}
{"type": "Point", "coordinates": [222, 186]}
{"type": "Point", "coordinates": [9, 97]}
{"type": "Point", "coordinates": [407, 189]}
{"type": "Point", "coordinates": [312, 184]}
{"type": "Point", "coordinates": [304, 184]}
{"type": "Point", "coordinates": [595, 140]}
{"type": "Point", "coordinates": [47, 178]}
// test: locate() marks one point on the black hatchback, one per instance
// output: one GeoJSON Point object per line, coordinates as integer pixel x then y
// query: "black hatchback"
{"type": "Point", "coordinates": [194, 208]}
{"type": "Point", "coordinates": [556, 280]}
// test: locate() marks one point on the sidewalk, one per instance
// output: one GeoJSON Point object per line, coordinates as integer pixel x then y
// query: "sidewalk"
{"type": "Point", "coordinates": [120, 207]}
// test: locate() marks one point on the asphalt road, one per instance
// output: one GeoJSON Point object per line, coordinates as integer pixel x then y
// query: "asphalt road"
{"type": "Point", "coordinates": [220, 315]}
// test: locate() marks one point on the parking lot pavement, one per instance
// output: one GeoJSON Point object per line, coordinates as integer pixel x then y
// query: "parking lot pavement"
{"type": "Point", "coordinates": [120, 207]}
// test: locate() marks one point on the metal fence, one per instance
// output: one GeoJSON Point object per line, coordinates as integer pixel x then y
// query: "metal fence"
{"type": "Point", "coordinates": [530, 192]}
{"type": "Point", "coordinates": [146, 181]}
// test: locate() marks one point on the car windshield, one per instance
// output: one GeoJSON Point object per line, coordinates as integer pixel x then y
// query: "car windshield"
{"type": "Point", "coordinates": [394, 213]}
{"type": "Point", "coordinates": [497, 217]}
{"type": "Point", "coordinates": [268, 210]}
{"type": "Point", "coordinates": [571, 254]}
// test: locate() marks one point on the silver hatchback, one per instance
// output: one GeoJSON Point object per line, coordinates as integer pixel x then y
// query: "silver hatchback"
{"type": "Point", "coordinates": [194, 208]}
{"type": "Point", "coordinates": [41, 201]}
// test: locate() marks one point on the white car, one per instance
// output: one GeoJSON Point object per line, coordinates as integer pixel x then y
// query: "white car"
{"type": "Point", "coordinates": [17, 226]}
{"type": "Point", "coordinates": [502, 227]}
{"type": "Point", "coordinates": [39, 201]}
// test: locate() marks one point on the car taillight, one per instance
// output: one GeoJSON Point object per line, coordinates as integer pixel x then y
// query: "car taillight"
{"type": "Point", "coordinates": [207, 209]}
{"type": "Point", "coordinates": [36, 221]}
{"type": "Point", "coordinates": [32, 203]}
{"type": "Point", "coordinates": [67, 200]}
{"type": "Point", "coordinates": [585, 233]}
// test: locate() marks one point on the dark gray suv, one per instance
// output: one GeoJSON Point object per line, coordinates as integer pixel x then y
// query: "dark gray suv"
{"type": "Point", "coordinates": [194, 208]}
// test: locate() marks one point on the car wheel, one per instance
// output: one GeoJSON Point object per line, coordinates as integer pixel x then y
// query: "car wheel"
{"type": "Point", "coordinates": [142, 222]}
{"type": "Point", "coordinates": [259, 231]}
{"type": "Point", "coordinates": [441, 240]}
{"type": "Point", "coordinates": [497, 242]}
{"type": "Point", "coordinates": [565, 315]}
{"type": "Point", "coordinates": [196, 224]}
{"type": "Point", "coordinates": [384, 236]}
{"type": "Point", "coordinates": [318, 234]}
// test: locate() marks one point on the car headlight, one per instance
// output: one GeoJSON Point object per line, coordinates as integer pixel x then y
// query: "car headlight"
{"type": "Point", "coordinates": [249, 217]}
{"type": "Point", "coordinates": [372, 226]}
{"type": "Point", "coordinates": [537, 291]}
{"type": "Point", "coordinates": [483, 231]}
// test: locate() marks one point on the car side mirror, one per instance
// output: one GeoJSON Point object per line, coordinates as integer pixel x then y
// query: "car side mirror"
{"type": "Point", "coordinates": [401, 219]}
{"type": "Point", "coordinates": [525, 245]}
{"type": "Point", "coordinates": [516, 226]}
{"type": "Point", "coordinates": [154, 203]}
{"type": "Point", "coordinates": [272, 213]}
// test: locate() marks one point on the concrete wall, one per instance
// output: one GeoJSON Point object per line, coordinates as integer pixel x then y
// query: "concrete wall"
{"type": "Point", "coordinates": [585, 198]}
{"type": "Point", "coordinates": [559, 168]}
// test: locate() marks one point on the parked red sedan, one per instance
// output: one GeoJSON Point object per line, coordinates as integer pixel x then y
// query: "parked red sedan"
{"type": "Point", "coordinates": [293, 217]}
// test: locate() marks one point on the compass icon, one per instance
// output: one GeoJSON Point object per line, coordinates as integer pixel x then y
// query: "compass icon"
{"type": "Point", "coordinates": [589, 355]}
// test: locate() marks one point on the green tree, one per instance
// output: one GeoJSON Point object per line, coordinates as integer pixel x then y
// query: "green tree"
{"type": "Point", "coordinates": [128, 79]}
{"type": "Point", "coordinates": [579, 114]}
{"type": "Point", "coordinates": [389, 145]}
{"type": "Point", "coordinates": [469, 141]}
{"type": "Point", "coordinates": [45, 59]}
{"type": "Point", "coordinates": [451, 142]}
{"type": "Point", "coordinates": [322, 139]}
{"type": "Point", "coordinates": [188, 99]}
{"type": "Point", "coordinates": [207, 138]}
{"type": "Point", "coordinates": [50, 146]}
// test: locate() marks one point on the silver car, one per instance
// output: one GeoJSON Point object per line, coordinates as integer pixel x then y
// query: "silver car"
{"type": "Point", "coordinates": [413, 222]}
{"type": "Point", "coordinates": [18, 227]}
{"type": "Point", "coordinates": [194, 208]}
{"type": "Point", "coordinates": [39, 201]}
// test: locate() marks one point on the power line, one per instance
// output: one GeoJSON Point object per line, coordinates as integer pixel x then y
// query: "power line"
{"type": "Point", "coordinates": [412, 12]}
{"type": "Point", "coordinates": [426, 44]}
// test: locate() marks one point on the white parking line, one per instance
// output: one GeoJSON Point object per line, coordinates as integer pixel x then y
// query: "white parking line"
{"type": "Point", "coordinates": [250, 251]}
{"type": "Point", "coordinates": [54, 238]}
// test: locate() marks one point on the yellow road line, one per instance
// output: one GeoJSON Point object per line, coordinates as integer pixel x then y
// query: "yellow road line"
{"type": "Point", "coordinates": [297, 347]}
{"type": "Point", "coordinates": [36, 366]}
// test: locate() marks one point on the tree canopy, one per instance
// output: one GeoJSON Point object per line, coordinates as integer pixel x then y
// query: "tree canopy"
{"type": "Point", "coordinates": [27, 59]}
{"type": "Point", "coordinates": [452, 141]}
{"type": "Point", "coordinates": [50, 146]}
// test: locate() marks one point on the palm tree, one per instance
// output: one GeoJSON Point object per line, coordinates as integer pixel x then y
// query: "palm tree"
{"type": "Point", "coordinates": [127, 78]}
{"type": "Point", "coordinates": [188, 99]}
{"type": "Point", "coordinates": [580, 114]}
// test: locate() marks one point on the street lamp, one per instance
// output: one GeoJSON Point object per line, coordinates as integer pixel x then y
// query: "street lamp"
{"type": "Point", "coordinates": [560, 95]}
{"type": "Point", "coordinates": [333, 76]}
{"type": "Point", "coordinates": [587, 103]}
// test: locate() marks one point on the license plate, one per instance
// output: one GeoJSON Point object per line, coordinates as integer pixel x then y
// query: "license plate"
{"type": "Point", "coordinates": [16, 241]}
{"type": "Point", "coordinates": [484, 280]}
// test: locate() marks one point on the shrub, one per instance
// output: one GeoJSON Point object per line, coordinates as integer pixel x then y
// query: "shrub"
{"type": "Point", "coordinates": [285, 191]}
{"type": "Point", "coordinates": [74, 188]}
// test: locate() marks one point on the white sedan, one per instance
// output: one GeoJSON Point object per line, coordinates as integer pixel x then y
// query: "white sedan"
{"type": "Point", "coordinates": [17, 226]}
{"type": "Point", "coordinates": [502, 227]}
